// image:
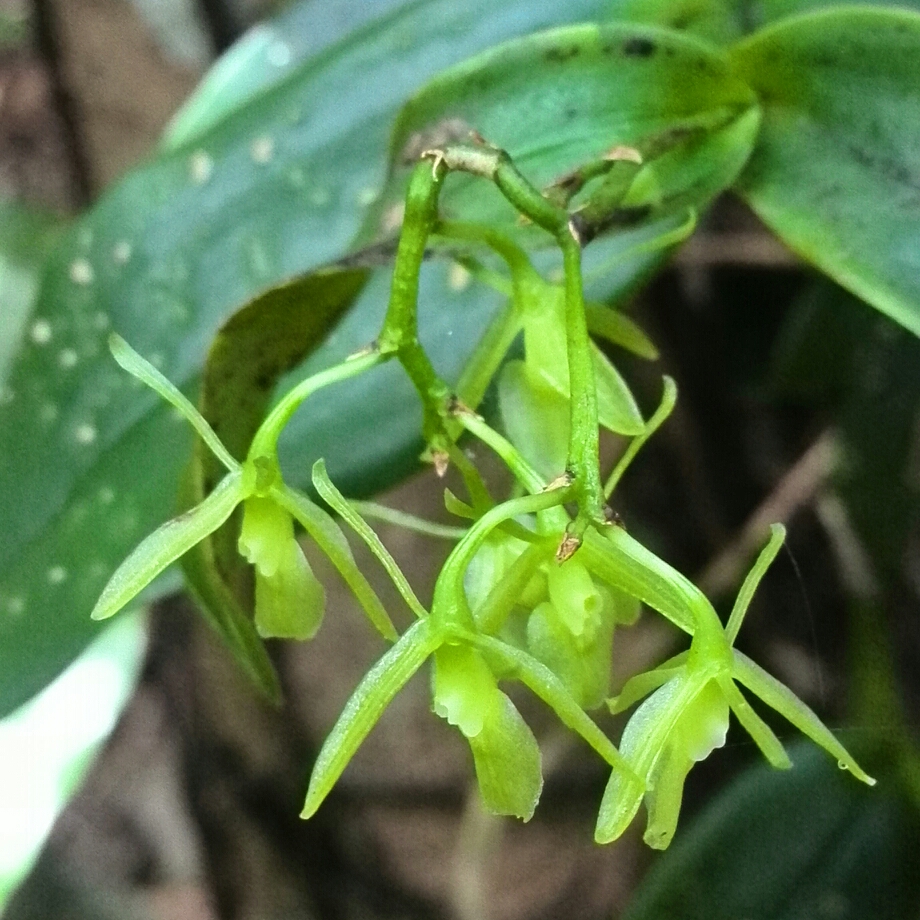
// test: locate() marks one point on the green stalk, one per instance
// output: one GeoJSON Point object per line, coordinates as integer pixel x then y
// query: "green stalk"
{"type": "Point", "coordinates": [265, 442]}
{"type": "Point", "coordinates": [399, 335]}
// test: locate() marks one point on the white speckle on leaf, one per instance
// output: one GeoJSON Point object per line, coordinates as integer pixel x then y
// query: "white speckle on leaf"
{"type": "Point", "coordinates": [97, 571]}
{"type": "Point", "coordinates": [16, 606]}
{"type": "Point", "coordinates": [106, 495]}
{"type": "Point", "coordinates": [56, 574]}
{"type": "Point", "coordinates": [48, 413]}
{"type": "Point", "coordinates": [458, 278]}
{"type": "Point", "coordinates": [200, 167]}
{"type": "Point", "coordinates": [367, 196]}
{"type": "Point", "coordinates": [68, 358]}
{"type": "Point", "coordinates": [101, 320]}
{"type": "Point", "coordinates": [262, 149]}
{"type": "Point", "coordinates": [85, 433]}
{"type": "Point", "coordinates": [296, 177]}
{"type": "Point", "coordinates": [81, 272]}
{"type": "Point", "coordinates": [157, 360]}
{"type": "Point", "coordinates": [40, 333]}
{"type": "Point", "coordinates": [121, 252]}
{"type": "Point", "coordinates": [279, 53]}
{"type": "Point", "coordinates": [319, 197]}
{"type": "Point", "coordinates": [6, 396]}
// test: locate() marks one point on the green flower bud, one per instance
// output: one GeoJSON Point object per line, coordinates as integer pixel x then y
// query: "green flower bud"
{"type": "Point", "coordinates": [290, 601]}
{"type": "Point", "coordinates": [582, 664]}
{"type": "Point", "coordinates": [575, 597]}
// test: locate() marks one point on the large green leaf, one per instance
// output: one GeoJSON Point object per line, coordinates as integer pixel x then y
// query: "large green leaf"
{"type": "Point", "coordinates": [836, 172]}
{"type": "Point", "coordinates": [561, 99]}
{"type": "Point", "coordinates": [782, 845]}
{"type": "Point", "coordinates": [771, 10]}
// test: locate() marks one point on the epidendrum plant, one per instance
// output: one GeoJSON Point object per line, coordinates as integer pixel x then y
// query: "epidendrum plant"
{"type": "Point", "coordinates": [621, 135]}
{"type": "Point", "coordinates": [536, 584]}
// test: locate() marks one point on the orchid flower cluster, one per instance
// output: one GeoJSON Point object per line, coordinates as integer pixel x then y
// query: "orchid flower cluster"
{"type": "Point", "coordinates": [536, 585]}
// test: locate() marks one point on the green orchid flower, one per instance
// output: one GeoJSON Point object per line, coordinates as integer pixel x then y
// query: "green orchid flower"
{"type": "Point", "coordinates": [468, 664]}
{"type": "Point", "coordinates": [687, 715]}
{"type": "Point", "coordinates": [571, 632]}
{"type": "Point", "coordinates": [289, 600]}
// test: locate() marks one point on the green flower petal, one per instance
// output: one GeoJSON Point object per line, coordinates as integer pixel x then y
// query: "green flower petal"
{"type": "Point", "coordinates": [536, 418]}
{"type": "Point", "coordinates": [464, 688]}
{"type": "Point", "coordinates": [575, 597]}
{"type": "Point", "coordinates": [327, 535]}
{"type": "Point", "coordinates": [289, 603]}
{"type": "Point", "coordinates": [645, 740]}
{"type": "Point", "coordinates": [641, 685]}
{"type": "Point", "coordinates": [508, 763]}
{"type": "Point", "coordinates": [616, 407]}
{"type": "Point", "coordinates": [583, 665]}
{"type": "Point", "coordinates": [266, 534]}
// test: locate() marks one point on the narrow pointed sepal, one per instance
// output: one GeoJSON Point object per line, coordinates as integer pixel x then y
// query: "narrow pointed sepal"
{"type": "Point", "coordinates": [787, 704]}
{"type": "Point", "coordinates": [371, 697]}
{"type": "Point", "coordinates": [761, 733]}
{"type": "Point", "coordinates": [166, 544]}
{"type": "Point", "coordinates": [329, 538]}
{"type": "Point", "coordinates": [144, 371]}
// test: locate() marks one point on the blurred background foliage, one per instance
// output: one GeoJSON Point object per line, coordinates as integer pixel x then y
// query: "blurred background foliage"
{"type": "Point", "coordinates": [798, 402]}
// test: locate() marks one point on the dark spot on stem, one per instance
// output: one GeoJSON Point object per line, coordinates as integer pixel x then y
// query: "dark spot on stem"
{"type": "Point", "coordinates": [639, 47]}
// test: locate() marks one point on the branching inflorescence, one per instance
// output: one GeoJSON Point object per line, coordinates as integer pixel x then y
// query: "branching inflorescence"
{"type": "Point", "coordinates": [535, 585]}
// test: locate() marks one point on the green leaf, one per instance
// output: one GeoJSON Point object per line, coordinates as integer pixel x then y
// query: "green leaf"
{"type": "Point", "coordinates": [90, 463]}
{"type": "Point", "coordinates": [789, 845]}
{"type": "Point", "coordinates": [26, 236]}
{"type": "Point", "coordinates": [265, 339]}
{"type": "Point", "coordinates": [559, 100]}
{"type": "Point", "coordinates": [771, 10]}
{"type": "Point", "coordinates": [837, 164]}
{"type": "Point", "coordinates": [716, 20]}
